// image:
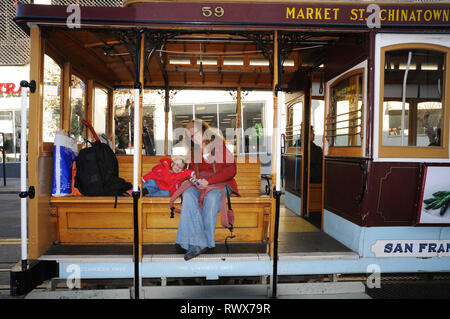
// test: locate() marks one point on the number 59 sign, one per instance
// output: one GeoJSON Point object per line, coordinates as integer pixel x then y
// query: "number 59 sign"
{"type": "Point", "coordinates": [210, 11]}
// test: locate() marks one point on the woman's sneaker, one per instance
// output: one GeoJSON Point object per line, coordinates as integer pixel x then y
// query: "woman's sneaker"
{"type": "Point", "coordinates": [194, 252]}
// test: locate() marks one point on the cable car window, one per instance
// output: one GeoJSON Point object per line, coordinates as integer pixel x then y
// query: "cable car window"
{"type": "Point", "coordinates": [100, 111]}
{"type": "Point", "coordinates": [412, 104]}
{"type": "Point", "coordinates": [207, 113]}
{"type": "Point", "coordinates": [253, 126]}
{"type": "Point", "coordinates": [182, 114]}
{"type": "Point", "coordinates": [227, 124]}
{"type": "Point", "coordinates": [293, 128]}
{"type": "Point", "coordinates": [124, 121]}
{"type": "Point", "coordinates": [317, 113]}
{"type": "Point", "coordinates": [52, 100]}
{"type": "Point", "coordinates": [413, 112]}
{"type": "Point", "coordinates": [148, 136]}
{"type": "Point", "coordinates": [429, 123]}
{"type": "Point", "coordinates": [344, 121]}
{"type": "Point", "coordinates": [78, 109]}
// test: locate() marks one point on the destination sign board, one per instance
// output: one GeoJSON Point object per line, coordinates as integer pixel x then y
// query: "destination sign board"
{"type": "Point", "coordinates": [251, 13]}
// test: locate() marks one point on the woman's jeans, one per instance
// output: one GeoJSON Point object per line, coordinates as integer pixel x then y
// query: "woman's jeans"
{"type": "Point", "coordinates": [154, 190]}
{"type": "Point", "coordinates": [197, 225]}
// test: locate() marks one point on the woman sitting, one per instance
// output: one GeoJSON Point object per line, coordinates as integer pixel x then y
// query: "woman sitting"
{"type": "Point", "coordinates": [213, 164]}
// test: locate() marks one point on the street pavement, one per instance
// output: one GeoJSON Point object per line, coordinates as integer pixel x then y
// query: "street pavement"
{"type": "Point", "coordinates": [9, 231]}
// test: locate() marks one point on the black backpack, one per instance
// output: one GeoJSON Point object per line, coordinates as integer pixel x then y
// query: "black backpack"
{"type": "Point", "coordinates": [98, 172]}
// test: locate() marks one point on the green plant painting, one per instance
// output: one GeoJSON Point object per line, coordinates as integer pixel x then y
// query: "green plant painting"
{"type": "Point", "coordinates": [440, 200]}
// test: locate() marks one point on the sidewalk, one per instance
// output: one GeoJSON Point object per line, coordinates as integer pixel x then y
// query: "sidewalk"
{"type": "Point", "coordinates": [12, 185]}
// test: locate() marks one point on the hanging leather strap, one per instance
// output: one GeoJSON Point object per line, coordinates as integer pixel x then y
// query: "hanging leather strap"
{"type": "Point", "coordinates": [228, 198]}
{"type": "Point", "coordinates": [231, 236]}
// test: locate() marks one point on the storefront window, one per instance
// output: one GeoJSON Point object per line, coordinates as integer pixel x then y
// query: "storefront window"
{"type": "Point", "coordinates": [207, 113]}
{"type": "Point", "coordinates": [413, 109]}
{"type": "Point", "coordinates": [220, 116]}
{"type": "Point", "coordinates": [52, 100]}
{"type": "Point", "coordinates": [10, 128]}
{"type": "Point", "coordinates": [182, 114]}
{"type": "Point", "coordinates": [6, 127]}
{"type": "Point", "coordinates": [17, 132]}
{"type": "Point", "coordinates": [223, 116]}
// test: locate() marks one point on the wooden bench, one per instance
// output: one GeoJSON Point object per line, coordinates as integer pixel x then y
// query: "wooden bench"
{"type": "Point", "coordinates": [95, 220]}
{"type": "Point", "coordinates": [315, 189]}
{"type": "Point", "coordinates": [315, 197]}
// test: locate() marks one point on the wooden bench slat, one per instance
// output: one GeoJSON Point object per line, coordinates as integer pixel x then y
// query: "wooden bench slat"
{"type": "Point", "coordinates": [91, 199]}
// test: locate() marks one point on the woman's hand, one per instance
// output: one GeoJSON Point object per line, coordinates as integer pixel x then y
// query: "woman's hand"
{"type": "Point", "coordinates": [203, 182]}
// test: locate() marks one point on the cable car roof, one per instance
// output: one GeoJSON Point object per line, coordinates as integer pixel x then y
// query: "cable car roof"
{"type": "Point", "coordinates": [191, 52]}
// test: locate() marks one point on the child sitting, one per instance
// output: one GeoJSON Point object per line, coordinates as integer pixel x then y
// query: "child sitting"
{"type": "Point", "coordinates": [165, 178]}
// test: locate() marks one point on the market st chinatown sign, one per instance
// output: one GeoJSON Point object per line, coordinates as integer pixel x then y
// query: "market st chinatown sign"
{"type": "Point", "coordinates": [304, 13]}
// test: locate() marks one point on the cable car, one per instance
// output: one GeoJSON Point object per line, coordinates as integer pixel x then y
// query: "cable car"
{"type": "Point", "coordinates": [355, 136]}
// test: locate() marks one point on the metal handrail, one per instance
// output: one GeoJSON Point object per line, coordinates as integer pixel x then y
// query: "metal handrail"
{"type": "Point", "coordinates": [353, 134]}
{"type": "Point", "coordinates": [354, 111]}
{"type": "Point", "coordinates": [350, 119]}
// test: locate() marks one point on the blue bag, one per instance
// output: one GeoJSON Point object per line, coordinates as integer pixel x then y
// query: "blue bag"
{"type": "Point", "coordinates": [64, 153]}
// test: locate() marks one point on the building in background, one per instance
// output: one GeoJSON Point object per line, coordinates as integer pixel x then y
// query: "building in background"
{"type": "Point", "coordinates": [14, 67]}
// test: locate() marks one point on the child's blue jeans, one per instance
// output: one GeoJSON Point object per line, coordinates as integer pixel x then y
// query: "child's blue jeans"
{"type": "Point", "coordinates": [154, 190]}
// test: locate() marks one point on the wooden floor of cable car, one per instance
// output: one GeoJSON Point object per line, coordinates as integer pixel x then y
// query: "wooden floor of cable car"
{"type": "Point", "coordinates": [301, 237]}
{"type": "Point", "coordinates": [297, 237]}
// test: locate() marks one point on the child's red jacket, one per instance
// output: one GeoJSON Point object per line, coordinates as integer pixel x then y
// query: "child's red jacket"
{"type": "Point", "coordinates": [164, 178]}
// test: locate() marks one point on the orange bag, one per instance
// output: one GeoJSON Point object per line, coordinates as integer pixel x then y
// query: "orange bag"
{"type": "Point", "coordinates": [75, 191]}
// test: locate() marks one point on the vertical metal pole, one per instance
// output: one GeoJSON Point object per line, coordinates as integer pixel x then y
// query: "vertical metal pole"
{"type": "Point", "coordinates": [136, 244]}
{"type": "Point", "coordinates": [23, 180]}
{"type": "Point", "coordinates": [166, 118]}
{"type": "Point", "coordinates": [277, 195]}
{"type": "Point", "coordinates": [4, 161]}
{"type": "Point", "coordinates": [306, 146]}
{"type": "Point", "coordinates": [277, 151]}
{"type": "Point", "coordinates": [280, 101]}
{"type": "Point", "coordinates": [137, 153]}
{"type": "Point", "coordinates": [405, 77]}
